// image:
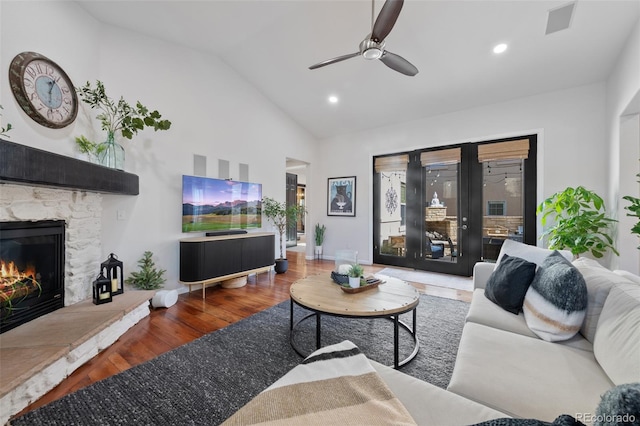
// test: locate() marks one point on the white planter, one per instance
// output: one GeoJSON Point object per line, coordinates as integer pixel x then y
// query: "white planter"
{"type": "Point", "coordinates": [165, 298]}
{"type": "Point", "coordinates": [354, 282]}
{"type": "Point", "coordinates": [318, 250]}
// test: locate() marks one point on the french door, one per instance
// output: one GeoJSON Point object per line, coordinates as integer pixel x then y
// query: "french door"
{"type": "Point", "coordinates": [444, 209]}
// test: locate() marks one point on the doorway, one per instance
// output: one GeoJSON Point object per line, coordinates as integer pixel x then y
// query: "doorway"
{"type": "Point", "coordinates": [444, 209]}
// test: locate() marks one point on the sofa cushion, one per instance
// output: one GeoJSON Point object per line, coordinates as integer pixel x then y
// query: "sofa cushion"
{"type": "Point", "coordinates": [617, 341]}
{"type": "Point", "coordinates": [431, 405]}
{"type": "Point", "coordinates": [525, 377]}
{"type": "Point", "coordinates": [509, 282]}
{"type": "Point", "coordinates": [628, 275]}
{"type": "Point", "coordinates": [528, 252]}
{"type": "Point", "coordinates": [556, 302]}
{"type": "Point", "coordinates": [599, 281]}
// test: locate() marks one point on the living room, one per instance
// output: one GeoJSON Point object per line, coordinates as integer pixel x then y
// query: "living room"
{"type": "Point", "coordinates": [587, 133]}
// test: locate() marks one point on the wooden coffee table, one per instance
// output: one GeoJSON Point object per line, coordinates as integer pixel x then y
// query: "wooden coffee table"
{"type": "Point", "coordinates": [322, 296]}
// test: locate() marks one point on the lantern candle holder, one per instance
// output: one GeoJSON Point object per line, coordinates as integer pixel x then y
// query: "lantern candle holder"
{"type": "Point", "coordinates": [101, 290]}
{"type": "Point", "coordinates": [112, 270]}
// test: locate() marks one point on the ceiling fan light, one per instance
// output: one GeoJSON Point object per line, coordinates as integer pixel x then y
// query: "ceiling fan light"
{"type": "Point", "coordinates": [373, 53]}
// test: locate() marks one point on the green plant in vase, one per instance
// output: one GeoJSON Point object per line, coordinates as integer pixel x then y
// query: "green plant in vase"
{"type": "Point", "coordinates": [580, 224]}
{"type": "Point", "coordinates": [355, 273]}
{"type": "Point", "coordinates": [280, 215]}
{"type": "Point", "coordinates": [4, 130]}
{"type": "Point", "coordinates": [118, 116]}
{"type": "Point", "coordinates": [634, 208]}
{"type": "Point", "coordinates": [319, 238]}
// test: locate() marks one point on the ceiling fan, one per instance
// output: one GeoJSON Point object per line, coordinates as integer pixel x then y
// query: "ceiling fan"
{"type": "Point", "coordinates": [372, 47]}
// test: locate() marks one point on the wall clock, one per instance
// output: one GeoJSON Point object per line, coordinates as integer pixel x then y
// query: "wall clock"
{"type": "Point", "coordinates": [43, 90]}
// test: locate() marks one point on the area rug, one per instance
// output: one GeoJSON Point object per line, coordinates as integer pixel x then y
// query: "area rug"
{"type": "Point", "coordinates": [206, 381]}
{"type": "Point", "coordinates": [431, 278]}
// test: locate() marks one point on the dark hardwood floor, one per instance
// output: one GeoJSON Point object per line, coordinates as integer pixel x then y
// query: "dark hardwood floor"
{"type": "Point", "coordinates": [192, 317]}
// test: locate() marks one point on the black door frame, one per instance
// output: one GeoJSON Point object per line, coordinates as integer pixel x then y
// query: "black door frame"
{"type": "Point", "coordinates": [469, 201]}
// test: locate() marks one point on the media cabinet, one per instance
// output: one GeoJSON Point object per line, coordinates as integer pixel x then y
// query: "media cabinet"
{"type": "Point", "coordinates": [209, 260]}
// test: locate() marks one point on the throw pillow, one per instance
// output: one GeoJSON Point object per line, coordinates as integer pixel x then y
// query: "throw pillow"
{"type": "Point", "coordinates": [556, 301]}
{"type": "Point", "coordinates": [599, 281]}
{"type": "Point", "coordinates": [563, 420]}
{"type": "Point", "coordinates": [620, 405]}
{"type": "Point", "coordinates": [528, 252]}
{"type": "Point", "coordinates": [509, 282]}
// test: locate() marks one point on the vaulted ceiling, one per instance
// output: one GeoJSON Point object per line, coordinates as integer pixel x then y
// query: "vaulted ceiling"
{"type": "Point", "coordinates": [272, 43]}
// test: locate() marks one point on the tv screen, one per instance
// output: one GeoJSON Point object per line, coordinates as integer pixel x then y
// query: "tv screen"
{"type": "Point", "coordinates": [217, 205]}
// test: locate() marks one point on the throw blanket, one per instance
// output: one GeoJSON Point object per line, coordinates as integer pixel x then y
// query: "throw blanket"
{"type": "Point", "coordinates": [334, 385]}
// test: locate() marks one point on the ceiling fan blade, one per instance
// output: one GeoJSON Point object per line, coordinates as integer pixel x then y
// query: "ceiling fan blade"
{"type": "Point", "coordinates": [334, 60]}
{"type": "Point", "coordinates": [386, 20]}
{"type": "Point", "coordinates": [398, 63]}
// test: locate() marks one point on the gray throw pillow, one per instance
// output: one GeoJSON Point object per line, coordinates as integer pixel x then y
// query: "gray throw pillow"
{"type": "Point", "coordinates": [509, 282]}
{"type": "Point", "coordinates": [556, 302]}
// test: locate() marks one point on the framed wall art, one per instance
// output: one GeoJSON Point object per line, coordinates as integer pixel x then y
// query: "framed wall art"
{"type": "Point", "coordinates": [341, 196]}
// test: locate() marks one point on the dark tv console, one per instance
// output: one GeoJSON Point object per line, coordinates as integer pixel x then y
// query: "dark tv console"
{"type": "Point", "coordinates": [223, 258]}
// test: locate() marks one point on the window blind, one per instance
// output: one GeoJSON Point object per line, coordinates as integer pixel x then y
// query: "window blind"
{"type": "Point", "coordinates": [442, 156]}
{"type": "Point", "coordinates": [394, 163]}
{"type": "Point", "coordinates": [511, 150]}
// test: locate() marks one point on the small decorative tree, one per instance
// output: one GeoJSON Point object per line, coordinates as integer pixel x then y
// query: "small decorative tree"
{"type": "Point", "coordinates": [149, 278]}
{"type": "Point", "coordinates": [280, 215]}
{"type": "Point", "coordinates": [580, 222]}
{"type": "Point", "coordinates": [4, 130]}
{"type": "Point", "coordinates": [634, 208]}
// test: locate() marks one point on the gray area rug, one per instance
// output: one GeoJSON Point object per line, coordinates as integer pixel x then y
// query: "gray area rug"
{"type": "Point", "coordinates": [206, 381]}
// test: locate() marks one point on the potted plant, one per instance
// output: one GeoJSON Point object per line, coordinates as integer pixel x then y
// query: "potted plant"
{"type": "Point", "coordinates": [319, 237]}
{"type": "Point", "coordinates": [280, 214]}
{"type": "Point", "coordinates": [152, 278]}
{"type": "Point", "coordinates": [634, 208]}
{"type": "Point", "coordinates": [118, 117]}
{"type": "Point", "coordinates": [4, 130]}
{"type": "Point", "coordinates": [89, 151]}
{"type": "Point", "coordinates": [355, 273]}
{"type": "Point", "coordinates": [580, 222]}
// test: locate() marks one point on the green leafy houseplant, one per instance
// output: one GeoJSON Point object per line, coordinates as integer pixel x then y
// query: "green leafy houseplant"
{"type": "Point", "coordinates": [149, 277]}
{"type": "Point", "coordinates": [279, 214]}
{"type": "Point", "coordinates": [319, 234]}
{"type": "Point", "coordinates": [356, 271]}
{"type": "Point", "coordinates": [120, 116]}
{"type": "Point", "coordinates": [580, 224]}
{"type": "Point", "coordinates": [88, 147]}
{"type": "Point", "coordinates": [634, 208]}
{"type": "Point", "coordinates": [4, 130]}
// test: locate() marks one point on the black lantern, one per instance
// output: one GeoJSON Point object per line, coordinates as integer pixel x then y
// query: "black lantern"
{"type": "Point", "coordinates": [101, 290]}
{"type": "Point", "coordinates": [112, 270]}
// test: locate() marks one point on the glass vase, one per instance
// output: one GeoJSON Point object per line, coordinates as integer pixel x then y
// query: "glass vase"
{"type": "Point", "coordinates": [111, 153]}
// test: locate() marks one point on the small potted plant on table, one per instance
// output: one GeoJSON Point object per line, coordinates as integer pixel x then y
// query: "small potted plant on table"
{"type": "Point", "coordinates": [355, 273]}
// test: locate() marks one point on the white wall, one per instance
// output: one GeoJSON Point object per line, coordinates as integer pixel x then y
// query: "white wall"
{"type": "Point", "coordinates": [213, 112]}
{"type": "Point", "coordinates": [623, 98]}
{"type": "Point", "coordinates": [571, 150]}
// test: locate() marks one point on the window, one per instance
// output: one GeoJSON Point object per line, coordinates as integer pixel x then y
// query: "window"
{"type": "Point", "coordinates": [496, 208]}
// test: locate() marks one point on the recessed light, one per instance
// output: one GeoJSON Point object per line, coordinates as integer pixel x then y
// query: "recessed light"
{"type": "Point", "coordinates": [333, 99]}
{"type": "Point", "coordinates": [500, 48]}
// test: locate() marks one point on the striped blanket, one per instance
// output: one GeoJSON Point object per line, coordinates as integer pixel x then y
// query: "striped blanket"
{"type": "Point", "coordinates": [335, 385]}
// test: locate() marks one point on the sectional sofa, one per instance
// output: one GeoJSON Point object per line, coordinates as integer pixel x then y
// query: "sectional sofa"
{"type": "Point", "coordinates": [505, 370]}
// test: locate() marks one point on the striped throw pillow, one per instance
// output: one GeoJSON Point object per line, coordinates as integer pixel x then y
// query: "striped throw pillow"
{"type": "Point", "coordinates": [556, 302]}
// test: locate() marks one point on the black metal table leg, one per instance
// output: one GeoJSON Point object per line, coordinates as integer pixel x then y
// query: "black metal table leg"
{"type": "Point", "coordinates": [291, 315]}
{"type": "Point", "coordinates": [317, 330]}
{"type": "Point", "coordinates": [396, 340]}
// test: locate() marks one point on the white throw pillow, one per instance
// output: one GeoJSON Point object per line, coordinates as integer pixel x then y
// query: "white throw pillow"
{"type": "Point", "coordinates": [599, 281]}
{"type": "Point", "coordinates": [556, 302]}
{"type": "Point", "coordinates": [528, 252]}
{"type": "Point", "coordinates": [628, 275]}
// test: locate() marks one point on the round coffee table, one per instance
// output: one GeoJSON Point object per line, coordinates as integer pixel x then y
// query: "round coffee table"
{"type": "Point", "coordinates": [389, 300]}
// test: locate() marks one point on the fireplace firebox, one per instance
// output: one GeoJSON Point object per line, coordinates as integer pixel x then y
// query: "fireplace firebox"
{"type": "Point", "coordinates": [31, 270]}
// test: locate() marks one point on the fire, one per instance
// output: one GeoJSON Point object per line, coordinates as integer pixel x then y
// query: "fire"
{"type": "Point", "coordinates": [15, 283]}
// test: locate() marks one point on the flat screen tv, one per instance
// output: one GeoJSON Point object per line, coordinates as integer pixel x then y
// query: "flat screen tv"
{"type": "Point", "coordinates": [219, 205]}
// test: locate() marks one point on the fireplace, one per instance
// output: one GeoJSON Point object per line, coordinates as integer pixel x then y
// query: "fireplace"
{"type": "Point", "coordinates": [32, 263]}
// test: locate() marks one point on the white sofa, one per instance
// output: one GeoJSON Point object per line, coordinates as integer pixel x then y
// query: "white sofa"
{"type": "Point", "coordinates": [504, 370]}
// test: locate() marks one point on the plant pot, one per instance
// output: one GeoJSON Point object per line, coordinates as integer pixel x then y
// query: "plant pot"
{"type": "Point", "coordinates": [318, 250]}
{"type": "Point", "coordinates": [354, 282]}
{"type": "Point", "coordinates": [281, 266]}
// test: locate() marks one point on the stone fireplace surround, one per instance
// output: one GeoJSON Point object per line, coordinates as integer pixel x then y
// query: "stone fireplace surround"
{"type": "Point", "coordinates": [46, 350]}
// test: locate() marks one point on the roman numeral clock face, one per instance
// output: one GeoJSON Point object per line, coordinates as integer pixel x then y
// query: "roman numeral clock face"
{"type": "Point", "coordinates": [43, 90]}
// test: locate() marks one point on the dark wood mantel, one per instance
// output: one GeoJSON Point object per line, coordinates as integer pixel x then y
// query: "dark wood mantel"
{"type": "Point", "coordinates": [21, 164]}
